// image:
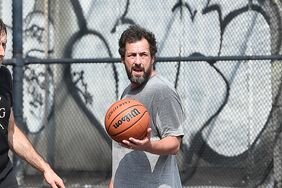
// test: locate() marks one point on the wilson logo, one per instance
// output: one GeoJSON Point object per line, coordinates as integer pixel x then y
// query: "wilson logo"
{"type": "Point", "coordinates": [132, 114]}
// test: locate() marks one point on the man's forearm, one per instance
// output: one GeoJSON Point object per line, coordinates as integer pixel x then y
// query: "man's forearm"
{"type": "Point", "coordinates": [21, 145]}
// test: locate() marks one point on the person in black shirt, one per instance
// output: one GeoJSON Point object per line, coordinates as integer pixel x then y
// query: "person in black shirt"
{"type": "Point", "coordinates": [11, 137]}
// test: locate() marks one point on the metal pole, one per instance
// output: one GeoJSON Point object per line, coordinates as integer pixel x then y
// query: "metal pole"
{"type": "Point", "coordinates": [18, 71]}
{"type": "Point", "coordinates": [49, 126]}
{"type": "Point", "coordinates": [18, 76]}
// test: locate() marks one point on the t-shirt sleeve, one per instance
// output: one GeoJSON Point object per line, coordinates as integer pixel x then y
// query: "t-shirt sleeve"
{"type": "Point", "coordinates": [6, 84]}
{"type": "Point", "coordinates": [170, 115]}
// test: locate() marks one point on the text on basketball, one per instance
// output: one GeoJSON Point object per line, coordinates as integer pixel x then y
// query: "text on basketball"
{"type": "Point", "coordinates": [133, 113]}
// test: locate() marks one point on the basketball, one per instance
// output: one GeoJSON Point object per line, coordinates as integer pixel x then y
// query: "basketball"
{"type": "Point", "coordinates": [127, 118]}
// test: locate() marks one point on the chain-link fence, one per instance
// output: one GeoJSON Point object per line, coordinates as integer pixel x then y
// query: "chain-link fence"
{"type": "Point", "coordinates": [223, 57]}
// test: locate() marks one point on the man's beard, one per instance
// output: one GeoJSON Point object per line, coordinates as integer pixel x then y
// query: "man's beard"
{"type": "Point", "coordinates": [138, 79]}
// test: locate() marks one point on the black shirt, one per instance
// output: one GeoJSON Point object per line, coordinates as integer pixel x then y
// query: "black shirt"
{"type": "Point", "coordinates": [5, 110]}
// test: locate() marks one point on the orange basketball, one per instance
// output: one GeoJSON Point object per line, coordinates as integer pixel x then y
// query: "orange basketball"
{"type": "Point", "coordinates": [127, 118]}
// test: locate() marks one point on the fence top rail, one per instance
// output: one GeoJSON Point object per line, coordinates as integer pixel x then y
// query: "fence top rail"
{"type": "Point", "coordinates": [210, 59]}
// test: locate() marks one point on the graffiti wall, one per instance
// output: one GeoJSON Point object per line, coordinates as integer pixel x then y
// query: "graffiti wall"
{"type": "Point", "coordinates": [233, 106]}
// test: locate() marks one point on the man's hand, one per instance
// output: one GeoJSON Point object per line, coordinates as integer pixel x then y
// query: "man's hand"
{"type": "Point", "coordinates": [168, 145]}
{"type": "Point", "coordinates": [53, 179]}
{"type": "Point", "coordinates": [136, 144]}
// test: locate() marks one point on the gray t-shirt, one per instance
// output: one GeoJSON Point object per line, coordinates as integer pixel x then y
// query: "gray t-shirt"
{"type": "Point", "coordinates": [138, 169]}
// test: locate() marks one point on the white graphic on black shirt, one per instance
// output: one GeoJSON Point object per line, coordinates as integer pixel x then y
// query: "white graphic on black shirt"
{"type": "Point", "coordinates": [2, 116]}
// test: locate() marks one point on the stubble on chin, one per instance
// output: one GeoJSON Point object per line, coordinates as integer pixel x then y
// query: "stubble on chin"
{"type": "Point", "coordinates": [137, 80]}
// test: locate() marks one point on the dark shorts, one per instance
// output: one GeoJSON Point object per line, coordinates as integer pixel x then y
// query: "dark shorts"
{"type": "Point", "coordinates": [9, 180]}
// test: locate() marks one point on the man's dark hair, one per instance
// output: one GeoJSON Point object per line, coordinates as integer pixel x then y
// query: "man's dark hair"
{"type": "Point", "coordinates": [136, 33]}
{"type": "Point", "coordinates": [3, 26]}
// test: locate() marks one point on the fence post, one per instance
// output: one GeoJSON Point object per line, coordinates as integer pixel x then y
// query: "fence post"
{"type": "Point", "coordinates": [18, 76]}
{"type": "Point", "coordinates": [18, 71]}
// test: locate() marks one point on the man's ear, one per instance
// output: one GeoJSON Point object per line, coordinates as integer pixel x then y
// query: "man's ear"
{"type": "Point", "coordinates": [153, 59]}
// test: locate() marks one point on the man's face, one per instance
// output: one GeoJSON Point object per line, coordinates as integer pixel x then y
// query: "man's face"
{"type": "Point", "coordinates": [138, 61]}
{"type": "Point", "coordinates": [3, 42]}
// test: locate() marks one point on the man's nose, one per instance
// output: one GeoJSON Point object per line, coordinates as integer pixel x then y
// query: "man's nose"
{"type": "Point", "coordinates": [138, 59]}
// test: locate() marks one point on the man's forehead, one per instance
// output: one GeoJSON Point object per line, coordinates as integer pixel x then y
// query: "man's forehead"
{"type": "Point", "coordinates": [3, 32]}
{"type": "Point", "coordinates": [3, 36]}
{"type": "Point", "coordinates": [137, 49]}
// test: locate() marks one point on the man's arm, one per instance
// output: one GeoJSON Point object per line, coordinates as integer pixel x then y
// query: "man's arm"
{"type": "Point", "coordinates": [111, 185]}
{"type": "Point", "coordinates": [169, 145]}
{"type": "Point", "coordinates": [20, 144]}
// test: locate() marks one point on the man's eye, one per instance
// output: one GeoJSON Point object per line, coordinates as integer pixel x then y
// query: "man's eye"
{"type": "Point", "coordinates": [144, 55]}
